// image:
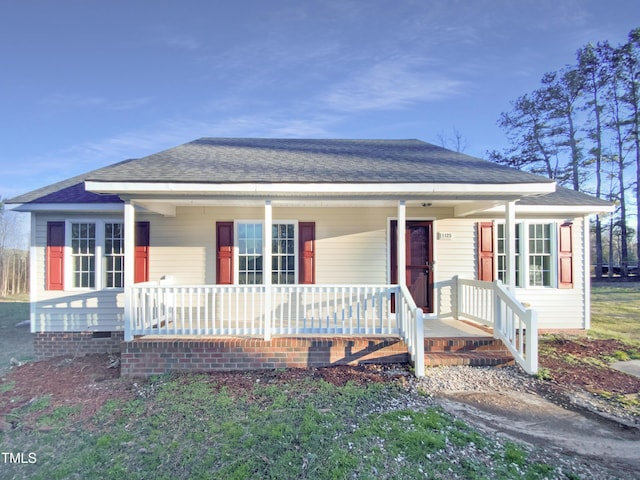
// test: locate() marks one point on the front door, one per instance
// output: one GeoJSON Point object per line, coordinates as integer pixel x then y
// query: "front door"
{"type": "Point", "coordinates": [419, 255]}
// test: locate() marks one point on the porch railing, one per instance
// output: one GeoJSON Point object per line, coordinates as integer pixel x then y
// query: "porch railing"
{"type": "Point", "coordinates": [492, 304]}
{"type": "Point", "coordinates": [240, 310]}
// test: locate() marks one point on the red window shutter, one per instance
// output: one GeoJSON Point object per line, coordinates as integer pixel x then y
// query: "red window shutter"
{"type": "Point", "coordinates": [306, 252]}
{"type": "Point", "coordinates": [565, 256]}
{"type": "Point", "coordinates": [224, 255]}
{"type": "Point", "coordinates": [394, 252]}
{"type": "Point", "coordinates": [486, 254]}
{"type": "Point", "coordinates": [55, 256]}
{"type": "Point", "coordinates": [141, 268]}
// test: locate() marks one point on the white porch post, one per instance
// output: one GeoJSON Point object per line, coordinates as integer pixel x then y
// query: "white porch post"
{"type": "Point", "coordinates": [266, 267]}
{"type": "Point", "coordinates": [510, 245]}
{"type": "Point", "coordinates": [586, 248]}
{"type": "Point", "coordinates": [401, 254]}
{"type": "Point", "coordinates": [129, 265]}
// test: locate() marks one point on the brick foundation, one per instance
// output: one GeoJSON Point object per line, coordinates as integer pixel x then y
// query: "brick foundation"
{"type": "Point", "coordinates": [147, 356]}
{"type": "Point", "coordinates": [54, 344]}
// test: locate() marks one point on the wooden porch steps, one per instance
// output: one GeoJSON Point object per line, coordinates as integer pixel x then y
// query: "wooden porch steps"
{"type": "Point", "coordinates": [472, 351]}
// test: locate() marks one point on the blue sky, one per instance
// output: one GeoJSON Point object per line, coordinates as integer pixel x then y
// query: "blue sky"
{"type": "Point", "coordinates": [84, 84]}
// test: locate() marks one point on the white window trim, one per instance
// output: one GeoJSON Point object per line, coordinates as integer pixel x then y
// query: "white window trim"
{"type": "Point", "coordinates": [99, 254]}
{"type": "Point", "coordinates": [523, 260]}
{"type": "Point", "coordinates": [236, 248]}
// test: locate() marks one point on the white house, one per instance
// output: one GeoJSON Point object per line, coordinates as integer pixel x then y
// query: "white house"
{"type": "Point", "coordinates": [366, 236]}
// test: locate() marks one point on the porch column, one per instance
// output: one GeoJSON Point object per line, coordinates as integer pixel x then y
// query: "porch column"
{"type": "Point", "coordinates": [266, 267]}
{"type": "Point", "coordinates": [510, 245]}
{"type": "Point", "coordinates": [129, 264]}
{"type": "Point", "coordinates": [401, 254]}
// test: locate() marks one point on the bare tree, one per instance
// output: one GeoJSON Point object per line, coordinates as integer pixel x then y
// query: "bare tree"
{"type": "Point", "coordinates": [456, 141]}
{"type": "Point", "coordinates": [13, 261]}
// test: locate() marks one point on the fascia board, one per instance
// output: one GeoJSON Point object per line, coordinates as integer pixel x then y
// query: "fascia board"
{"type": "Point", "coordinates": [522, 189]}
{"type": "Point", "coordinates": [69, 207]}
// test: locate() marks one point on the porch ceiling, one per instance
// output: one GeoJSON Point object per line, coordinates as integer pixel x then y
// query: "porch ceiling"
{"type": "Point", "coordinates": [464, 198]}
{"type": "Point", "coordinates": [461, 207]}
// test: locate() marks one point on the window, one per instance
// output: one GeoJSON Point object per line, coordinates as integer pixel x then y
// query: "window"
{"type": "Point", "coordinates": [113, 255]}
{"type": "Point", "coordinates": [250, 253]}
{"type": "Point", "coordinates": [83, 255]}
{"type": "Point", "coordinates": [283, 260]}
{"type": "Point", "coordinates": [502, 256]}
{"type": "Point", "coordinates": [534, 256]}
{"type": "Point", "coordinates": [96, 254]}
{"type": "Point", "coordinates": [540, 255]}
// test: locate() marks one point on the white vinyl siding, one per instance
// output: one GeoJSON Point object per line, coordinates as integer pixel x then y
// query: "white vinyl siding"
{"type": "Point", "coordinates": [70, 310]}
{"type": "Point", "coordinates": [351, 244]}
{"type": "Point", "coordinates": [556, 308]}
{"type": "Point", "coordinates": [351, 248]}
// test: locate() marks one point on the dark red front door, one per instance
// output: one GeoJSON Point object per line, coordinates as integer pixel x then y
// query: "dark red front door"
{"type": "Point", "coordinates": [419, 256]}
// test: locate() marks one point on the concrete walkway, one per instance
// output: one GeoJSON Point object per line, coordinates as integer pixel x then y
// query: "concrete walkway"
{"type": "Point", "coordinates": [632, 367]}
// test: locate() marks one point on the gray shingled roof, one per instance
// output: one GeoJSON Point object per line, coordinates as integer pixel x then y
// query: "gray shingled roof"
{"type": "Point", "coordinates": [269, 160]}
{"type": "Point", "coordinates": [70, 190]}
{"type": "Point", "coordinates": [251, 160]}
{"type": "Point", "coordinates": [564, 197]}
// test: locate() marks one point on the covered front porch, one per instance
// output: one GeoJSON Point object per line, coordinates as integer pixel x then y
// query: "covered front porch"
{"type": "Point", "coordinates": [258, 307]}
{"type": "Point", "coordinates": [253, 326]}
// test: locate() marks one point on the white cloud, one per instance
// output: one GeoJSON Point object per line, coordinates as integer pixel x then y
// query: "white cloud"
{"type": "Point", "coordinates": [392, 84]}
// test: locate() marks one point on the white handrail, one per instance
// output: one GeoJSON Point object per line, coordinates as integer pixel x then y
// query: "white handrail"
{"type": "Point", "coordinates": [411, 320]}
{"type": "Point", "coordinates": [492, 304]}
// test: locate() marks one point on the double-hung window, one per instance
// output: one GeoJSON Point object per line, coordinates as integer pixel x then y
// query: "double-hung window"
{"type": "Point", "coordinates": [251, 253]}
{"type": "Point", "coordinates": [250, 256]}
{"type": "Point", "coordinates": [539, 255]}
{"type": "Point", "coordinates": [83, 254]}
{"type": "Point", "coordinates": [534, 258]}
{"type": "Point", "coordinates": [97, 254]}
{"type": "Point", "coordinates": [113, 255]}
{"type": "Point", "coordinates": [283, 261]}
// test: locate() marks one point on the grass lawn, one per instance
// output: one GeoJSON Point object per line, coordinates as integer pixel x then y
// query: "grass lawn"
{"type": "Point", "coordinates": [615, 311]}
{"type": "Point", "coordinates": [13, 309]}
{"type": "Point", "coordinates": [15, 342]}
{"type": "Point", "coordinates": [193, 427]}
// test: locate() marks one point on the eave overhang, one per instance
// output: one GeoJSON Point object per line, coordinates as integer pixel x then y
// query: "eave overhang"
{"type": "Point", "coordinates": [320, 189]}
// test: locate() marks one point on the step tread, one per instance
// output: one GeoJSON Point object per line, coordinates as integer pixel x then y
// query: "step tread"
{"type": "Point", "coordinates": [463, 344]}
{"type": "Point", "coordinates": [483, 358]}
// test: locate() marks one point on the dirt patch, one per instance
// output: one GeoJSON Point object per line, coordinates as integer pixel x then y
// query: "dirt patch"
{"type": "Point", "coordinates": [87, 382]}
{"type": "Point", "coordinates": [571, 362]}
